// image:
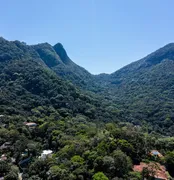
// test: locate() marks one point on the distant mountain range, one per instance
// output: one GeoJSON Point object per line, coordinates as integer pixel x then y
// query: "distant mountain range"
{"type": "Point", "coordinates": [141, 93]}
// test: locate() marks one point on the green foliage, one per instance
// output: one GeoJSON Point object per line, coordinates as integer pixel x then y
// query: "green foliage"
{"type": "Point", "coordinates": [99, 176]}
{"type": "Point", "coordinates": [143, 91]}
{"type": "Point", "coordinates": [12, 174]}
{"type": "Point", "coordinates": [170, 161]}
{"type": "Point", "coordinates": [92, 135]}
{"type": "Point", "coordinates": [56, 172]}
{"type": "Point", "coordinates": [122, 163]}
{"type": "Point", "coordinates": [4, 167]}
{"type": "Point", "coordinates": [77, 160]}
{"type": "Point", "coordinates": [135, 176]}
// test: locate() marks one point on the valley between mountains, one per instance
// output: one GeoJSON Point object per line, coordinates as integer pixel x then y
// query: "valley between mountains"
{"type": "Point", "coordinates": [98, 127]}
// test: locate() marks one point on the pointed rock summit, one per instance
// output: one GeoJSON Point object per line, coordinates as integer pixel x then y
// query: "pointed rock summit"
{"type": "Point", "coordinates": [62, 53]}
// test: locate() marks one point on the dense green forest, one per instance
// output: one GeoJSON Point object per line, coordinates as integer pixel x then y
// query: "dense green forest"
{"type": "Point", "coordinates": [145, 89]}
{"type": "Point", "coordinates": [97, 127]}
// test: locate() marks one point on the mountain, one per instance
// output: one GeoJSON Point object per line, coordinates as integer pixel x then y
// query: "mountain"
{"type": "Point", "coordinates": [140, 93]}
{"type": "Point", "coordinates": [145, 89]}
{"type": "Point", "coordinates": [56, 58]}
{"type": "Point", "coordinates": [95, 127]}
{"type": "Point", "coordinates": [30, 88]}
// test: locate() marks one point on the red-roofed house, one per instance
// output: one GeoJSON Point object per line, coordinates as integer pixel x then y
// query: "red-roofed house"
{"type": "Point", "coordinates": [159, 171]}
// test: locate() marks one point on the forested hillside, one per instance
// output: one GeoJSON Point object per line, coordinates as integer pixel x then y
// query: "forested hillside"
{"type": "Point", "coordinates": [27, 83]}
{"type": "Point", "coordinates": [56, 58]}
{"type": "Point", "coordinates": [96, 127]}
{"type": "Point", "coordinates": [145, 90]}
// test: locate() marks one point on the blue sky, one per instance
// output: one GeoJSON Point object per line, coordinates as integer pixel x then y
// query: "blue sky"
{"type": "Point", "coordinates": [100, 35]}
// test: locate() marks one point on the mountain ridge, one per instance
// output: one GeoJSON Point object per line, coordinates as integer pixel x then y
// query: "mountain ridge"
{"type": "Point", "coordinates": [61, 52]}
{"type": "Point", "coordinates": [95, 127]}
{"type": "Point", "coordinates": [142, 92]}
